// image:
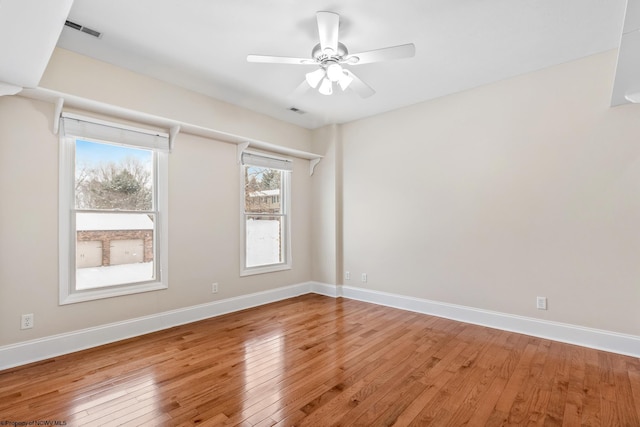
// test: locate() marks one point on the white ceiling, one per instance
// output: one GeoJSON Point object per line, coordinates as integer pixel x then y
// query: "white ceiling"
{"type": "Point", "coordinates": [23, 61]}
{"type": "Point", "coordinates": [460, 44]}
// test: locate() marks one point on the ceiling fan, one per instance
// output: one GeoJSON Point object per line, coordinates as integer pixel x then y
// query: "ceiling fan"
{"type": "Point", "coordinates": [331, 57]}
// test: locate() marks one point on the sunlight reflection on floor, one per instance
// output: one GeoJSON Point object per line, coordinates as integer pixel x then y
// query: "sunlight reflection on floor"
{"type": "Point", "coordinates": [264, 364]}
{"type": "Point", "coordinates": [121, 401]}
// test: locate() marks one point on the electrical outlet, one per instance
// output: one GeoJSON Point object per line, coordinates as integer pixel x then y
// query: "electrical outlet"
{"type": "Point", "coordinates": [541, 303]}
{"type": "Point", "coordinates": [214, 288]}
{"type": "Point", "coordinates": [347, 275]}
{"type": "Point", "coordinates": [27, 321]}
{"type": "Point", "coordinates": [364, 277]}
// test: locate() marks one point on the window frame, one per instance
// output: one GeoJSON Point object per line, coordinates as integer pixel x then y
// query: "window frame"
{"type": "Point", "coordinates": [68, 294]}
{"type": "Point", "coordinates": [285, 200]}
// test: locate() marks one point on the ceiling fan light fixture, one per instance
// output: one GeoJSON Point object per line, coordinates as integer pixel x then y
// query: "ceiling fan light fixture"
{"type": "Point", "coordinates": [326, 87]}
{"type": "Point", "coordinates": [330, 56]}
{"type": "Point", "coordinates": [315, 77]}
{"type": "Point", "coordinates": [334, 72]}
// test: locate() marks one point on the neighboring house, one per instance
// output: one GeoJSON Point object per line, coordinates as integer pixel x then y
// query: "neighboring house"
{"type": "Point", "coordinates": [111, 238]}
{"type": "Point", "coordinates": [265, 201]}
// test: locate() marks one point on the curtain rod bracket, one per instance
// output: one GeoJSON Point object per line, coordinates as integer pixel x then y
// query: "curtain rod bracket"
{"type": "Point", "coordinates": [56, 115]}
{"type": "Point", "coordinates": [312, 165]}
{"type": "Point", "coordinates": [173, 132]}
{"type": "Point", "coordinates": [241, 148]}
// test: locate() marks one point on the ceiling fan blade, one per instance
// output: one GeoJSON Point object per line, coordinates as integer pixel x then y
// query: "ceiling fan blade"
{"type": "Point", "coordinates": [384, 54]}
{"type": "Point", "coordinates": [280, 60]}
{"type": "Point", "coordinates": [328, 23]}
{"type": "Point", "coordinates": [358, 86]}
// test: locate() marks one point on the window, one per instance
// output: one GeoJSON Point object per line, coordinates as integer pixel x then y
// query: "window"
{"type": "Point", "coordinates": [265, 214]}
{"type": "Point", "coordinates": [113, 208]}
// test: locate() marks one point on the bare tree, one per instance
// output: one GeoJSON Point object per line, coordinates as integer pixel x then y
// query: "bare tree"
{"type": "Point", "coordinates": [257, 181]}
{"type": "Point", "coordinates": [125, 185]}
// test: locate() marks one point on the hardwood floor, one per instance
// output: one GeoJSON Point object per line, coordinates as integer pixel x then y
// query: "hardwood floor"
{"type": "Point", "coordinates": [319, 361]}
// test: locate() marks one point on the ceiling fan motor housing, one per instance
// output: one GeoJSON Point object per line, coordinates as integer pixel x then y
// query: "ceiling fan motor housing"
{"type": "Point", "coordinates": [322, 57]}
{"type": "Point", "coordinates": [330, 56]}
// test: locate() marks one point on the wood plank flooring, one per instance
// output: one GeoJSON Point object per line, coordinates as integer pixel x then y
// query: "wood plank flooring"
{"type": "Point", "coordinates": [319, 361]}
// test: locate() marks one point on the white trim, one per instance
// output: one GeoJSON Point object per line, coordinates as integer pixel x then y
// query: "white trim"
{"type": "Point", "coordinates": [285, 200]}
{"type": "Point", "coordinates": [43, 348]}
{"type": "Point", "coordinates": [74, 101]}
{"type": "Point", "coordinates": [66, 221]}
{"type": "Point", "coordinates": [586, 337]}
{"type": "Point", "coordinates": [57, 114]}
{"type": "Point", "coordinates": [67, 227]}
{"type": "Point", "coordinates": [326, 290]}
{"type": "Point", "coordinates": [241, 149]}
{"type": "Point", "coordinates": [9, 89]}
{"type": "Point", "coordinates": [100, 293]}
{"type": "Point", "coordinates": [271, 268]}
{"type": "Point", "coordinates": [173, 133]}
{"type": "Point", "coordinates": [312, 165]}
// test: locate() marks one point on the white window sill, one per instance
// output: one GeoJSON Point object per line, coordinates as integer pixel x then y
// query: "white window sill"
{"type": "Point", "coordinates": [95, 294]}
{"type": "Point", "coordinates": [264, 269]}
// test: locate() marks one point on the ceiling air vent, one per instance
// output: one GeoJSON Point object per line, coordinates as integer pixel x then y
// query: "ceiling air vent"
{"type": "Point", "coordinates": [297, 110]}
{"type": "Point", "coordinates": [83, 29]}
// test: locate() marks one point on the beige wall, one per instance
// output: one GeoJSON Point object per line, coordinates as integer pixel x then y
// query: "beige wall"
{"type": "Point", "coordinates": [326, 211]}
{"type": "Point", "coordinates": [488, 198]}
{"type": "Point", "coordinates": [79, 75]}
{"type": "Point", "coordinates": [204, 201]}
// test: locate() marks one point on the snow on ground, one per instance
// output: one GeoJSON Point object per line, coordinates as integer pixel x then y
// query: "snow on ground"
{"type": "Point", "coordinates": [263, 242]}
{"type": "Point", "coordinates": [263, 248]}
{"type": "Point", "coordinates": [97, 277]}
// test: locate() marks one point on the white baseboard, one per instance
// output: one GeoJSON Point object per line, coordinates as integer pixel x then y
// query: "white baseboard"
{"type": "Point", "coordinates": [586, 337]}
{"type": "Point", "coordinates": [55, 345]}
{"type": "Point", "coordinates": [325, 289]}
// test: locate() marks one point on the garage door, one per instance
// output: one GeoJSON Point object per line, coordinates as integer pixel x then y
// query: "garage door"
{"type": "Point", "coordinates": [127, 251]}
{"type": "Point", "coordinates": [88, 254]}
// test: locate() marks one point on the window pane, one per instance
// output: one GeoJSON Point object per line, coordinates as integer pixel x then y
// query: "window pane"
{"type": "Point", "coordinates": [113, 177]}
{"type": "Point", "coordinates": [264, 240]}
{"type": "Point", "coordinates": [114, 249]}
{"type": "Point", "coordinates": [263, 187]}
